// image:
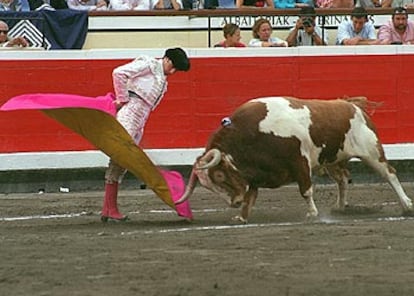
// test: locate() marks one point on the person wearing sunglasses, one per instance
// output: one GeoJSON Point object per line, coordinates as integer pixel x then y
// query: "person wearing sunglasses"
{"type": "Point", "coordinates": [6, 41]}
{"type": "Point", "coordinates": [398, 30]}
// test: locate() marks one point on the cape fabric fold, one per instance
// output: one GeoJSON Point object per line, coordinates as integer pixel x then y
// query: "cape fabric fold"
{"type": "Point", "coordinates": [93, 119]}
{"type": "Point", "coordinates": [53, 101]}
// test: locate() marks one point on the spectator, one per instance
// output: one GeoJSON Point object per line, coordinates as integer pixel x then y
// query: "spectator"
{"type": "Point", "coordinates": [334, 3]}
{"type": "Point", "coordinates": [382, 3]}
{"type": "Point", "coordinates": [169, 4]}
{"type": "Point", "coordinates": [89, 5]}
{"type": "Point", "coordinates": [47, 4]}
{"type": "Point", "coordinates": [306, 32]}
{"type": "Point", "coordinates": [232, 37]}
{"type": "Point", "coordinates": [5, 41]}
{"type": "Point", "coordinates": [358, 30]}
{"type": "Point", "coordinates": [375, 3]}
{"type": "Point", "coordinates": [402, 3]}
{"type": "Point", "coordinates": [254, 3]}
{"type": "Point", "coordinates": [14, 5]}
{"type": "Point", "coordinates": [262, 31]}
{"type": "Point", "coordinates": [399, 30]}
{"type": "Point", "coordinates": [282, 4]}
{"type": "Point", "coordinates": [130, 5]}
{"type": "Point", "coordinates": [139, 87]}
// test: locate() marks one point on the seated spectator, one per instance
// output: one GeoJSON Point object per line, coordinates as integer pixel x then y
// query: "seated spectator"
{"type": "Point", "coordinates": [47, 4]}
{"type": "Point", "coordinates": [306, 32]}
{"type": "Point", "coordinates": [254, 3]}
{"type": "Point", "coordinates": [168, 4]}
{"type": "Point", "coordinates": [262, 31]}
{"type": "Point", "coordinates": [382, 3]}
{"type": "Point", "coordinates": [374, 3]}
{"type": "Point", "coordinates": [130, 5]}
{"type": "Point", "coordinates": [402, 3]}
{"type": "Point", "coordinates": [14, 5]}
{"type": "Point", "coordinates": [89, 5]}
{"type": "Point", "coordinates": [334, 3]}
{"type": "Point", "coordinates": [232, 37]}
{"type": "Point", "coordinates": [282, 4]}
{"type": "Point", "coordinates": [358, 30]}
{"type": "Point", "coordinates": [6, 41]}
{"type": "Point", "coordinates": [399, 30]}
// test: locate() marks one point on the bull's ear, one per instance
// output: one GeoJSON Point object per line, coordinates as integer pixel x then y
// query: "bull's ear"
{"type": "Point", "coordinates": [219, 176]}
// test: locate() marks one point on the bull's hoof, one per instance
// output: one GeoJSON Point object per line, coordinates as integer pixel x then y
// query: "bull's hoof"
{"type": "Point", "coordinates": [239, 219]}
{"type": "Point", "coordinates": [312, 218]}
{"type": "Point", "coordinates": [407, 209]}
{"type": "Point", "coordinates": [106, 219]}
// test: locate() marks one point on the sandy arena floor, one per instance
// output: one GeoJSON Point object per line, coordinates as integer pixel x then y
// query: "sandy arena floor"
{"type": "Point", "coordinates": [55, 244]}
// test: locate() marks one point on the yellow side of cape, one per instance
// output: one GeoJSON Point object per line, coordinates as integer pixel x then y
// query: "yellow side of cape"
{"type": "Point", "coordinates": [108, 135]}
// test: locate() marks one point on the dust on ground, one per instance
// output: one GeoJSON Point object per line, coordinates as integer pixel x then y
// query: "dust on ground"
{"type": "Point", "coordinates": [55, 244]}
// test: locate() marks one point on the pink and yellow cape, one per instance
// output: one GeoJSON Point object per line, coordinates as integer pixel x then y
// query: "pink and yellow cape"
{"type": "Point", "coordinates": [82, 115]}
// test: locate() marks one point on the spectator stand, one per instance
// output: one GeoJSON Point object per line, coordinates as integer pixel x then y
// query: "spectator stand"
{"type": "Point", "coordinates": [60, 29]}
{"type": "Point", "coordinates": [212, 20]}
{"type": "Point", "coordinates": [21, 24]}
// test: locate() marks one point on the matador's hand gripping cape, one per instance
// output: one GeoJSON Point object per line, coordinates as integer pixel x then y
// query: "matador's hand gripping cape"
{"type": "Point", "coordinates": [94, 119]}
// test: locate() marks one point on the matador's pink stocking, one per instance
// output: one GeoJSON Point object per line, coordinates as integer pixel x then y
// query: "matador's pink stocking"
{"type": "Point", "coordinates": [110, 205]}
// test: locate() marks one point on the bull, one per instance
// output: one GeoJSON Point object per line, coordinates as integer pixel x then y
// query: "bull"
{"type": "Point", "coordinates": [272, 141]}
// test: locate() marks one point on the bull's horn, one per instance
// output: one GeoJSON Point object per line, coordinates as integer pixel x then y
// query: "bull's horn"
{"type": "Point", "coordinates": [189, 188]}
{"type": "Point", "coordinates": [213, 154]}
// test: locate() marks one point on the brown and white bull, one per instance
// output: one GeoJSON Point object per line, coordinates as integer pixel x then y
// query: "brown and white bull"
{"type": "Point", "coordinates": [269, 142]}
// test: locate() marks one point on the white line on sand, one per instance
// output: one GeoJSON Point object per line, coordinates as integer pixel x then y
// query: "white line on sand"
{"type": "Point", "coordinates": [206, 228]}
{"type": "Point", "coordinates": [53, 216]}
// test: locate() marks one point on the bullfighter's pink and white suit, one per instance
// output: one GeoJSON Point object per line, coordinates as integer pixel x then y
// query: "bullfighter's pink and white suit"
{"type": "Point", "coordinates": [140, 85]}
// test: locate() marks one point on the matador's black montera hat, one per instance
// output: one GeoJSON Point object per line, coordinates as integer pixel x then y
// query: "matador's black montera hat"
{"type": "Point", "coordinates": [179, 58]}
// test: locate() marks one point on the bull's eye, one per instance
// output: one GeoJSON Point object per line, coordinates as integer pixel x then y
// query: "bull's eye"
{"type": "Point", "coordinates": [219, 177]}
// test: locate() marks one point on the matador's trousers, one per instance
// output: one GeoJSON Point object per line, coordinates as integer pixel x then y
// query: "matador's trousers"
{"type": "Point", "coordinates": [132, 116]}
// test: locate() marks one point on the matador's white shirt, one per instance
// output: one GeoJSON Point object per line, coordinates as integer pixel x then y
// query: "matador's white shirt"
{"type": "Point", "coordinates": [144, 76]}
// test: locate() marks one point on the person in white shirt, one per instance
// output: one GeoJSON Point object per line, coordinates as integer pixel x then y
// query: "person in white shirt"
{"type": "Point", "coordinates": [139, 87]}
{"type": "Point", "coordinates": [131, 4]}
{"type": "Point", "coordinates": [402, 3]}
{"type": "Point", "coordinates": [262, 31]}
{"type": "Point", "coordinates": [88, 5]}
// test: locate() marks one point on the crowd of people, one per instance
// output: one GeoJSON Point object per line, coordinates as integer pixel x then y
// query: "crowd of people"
{"type": "Point", "coordinates": [123, 5]}
{"type": "Point", "coordinates": [89, 5]}
{"type": "Point", "coordinates": [356, 30]}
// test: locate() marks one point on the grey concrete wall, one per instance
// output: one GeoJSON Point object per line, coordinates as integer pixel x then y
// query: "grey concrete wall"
{"type": "Point", "coordinates": [93, 179]}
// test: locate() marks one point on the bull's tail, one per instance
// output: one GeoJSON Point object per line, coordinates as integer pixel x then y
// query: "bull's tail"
{"type": "Point", "coordinates": [366, 105]}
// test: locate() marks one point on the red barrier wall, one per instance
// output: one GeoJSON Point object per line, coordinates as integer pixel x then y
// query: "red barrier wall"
{"type": "Point", "coordinates": [197, 100]}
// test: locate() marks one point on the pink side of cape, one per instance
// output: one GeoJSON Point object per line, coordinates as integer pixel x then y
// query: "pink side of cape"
{"type": "Point", "coordinates": [55, 101]}
{"type": "Point", "coordinates": [176, 185]}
